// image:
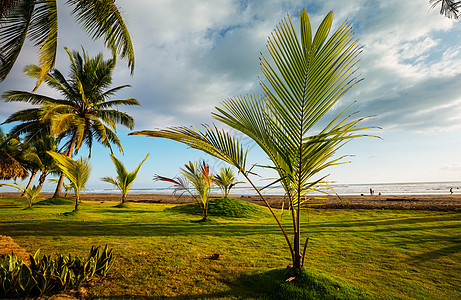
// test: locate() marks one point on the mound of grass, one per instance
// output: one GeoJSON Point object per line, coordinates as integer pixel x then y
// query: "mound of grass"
{"type": "Point", "coordinates": [223, 207]}
{"type": "Point", "coordinates": [122, 205]}
{"type": "Point", "coordinates": [307, 285]}
{"type": "Point", "coordinates": [56, 201]}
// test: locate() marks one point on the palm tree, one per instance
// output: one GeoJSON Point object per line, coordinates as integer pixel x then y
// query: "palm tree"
{"type": "Point", "coordinates": [226, 180]}
{"type": "Point", "coordinates": [77, 171]}
{"type": "Point", "coordinates": [37, 154]}
{"type": "Point", "coordinates": [124, 178]}
{"type": "Point", "coordinates": [450, 8]}
{"type": "Point", "coordinates": [38, 20]}
{"type": "Point", "coordinates": [200, 177]}
{"type": "Point", "coordinates": [306, 78]}
{"type": "Point", "coordinates": [85, 113]}
{"type": "Point", "coordinates": [30, 193]}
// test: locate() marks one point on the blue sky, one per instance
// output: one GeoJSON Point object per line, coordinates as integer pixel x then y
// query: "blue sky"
{"type": "Point", "coordinates": [191, 55]}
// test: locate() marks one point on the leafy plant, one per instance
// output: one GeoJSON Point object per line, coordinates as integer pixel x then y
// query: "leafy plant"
{"type": "Point", "coordinates": [124, 178]}
{"type": "Point", "coordinates": [307, 78]}
{"type": "Point", "coordinates": [30, 193]}
{"type": "Point", "coordinates": [77, 171]}
{"type": "Point", "coordinates": [200, 177]}
{"type": "Point", "coordinates": [226, 180]}
{"type": "Point", "coordinates": [47, 274]}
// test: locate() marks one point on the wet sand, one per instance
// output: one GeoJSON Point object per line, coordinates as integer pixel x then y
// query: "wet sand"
{"type": "Point", "coordinates": [418, 202]}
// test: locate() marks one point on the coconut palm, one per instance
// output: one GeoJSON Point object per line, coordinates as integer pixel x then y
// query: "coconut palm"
{"type": "Point", "coordinates": [306, 78]}
{"type": "Point", "coordinates": [86, 113]}
{"type": "Point", "coordinates": [38, 20]}
{"type": "Point", "coordinates": [77, 171]}
{"type": "Point", "coordinates": [200, 177]}
{"type": "Point", "coordinates": [226, 180]}
{"type": "Point", "coordinates": [124, 178]}
{"type": "Point", "coordinates": [450, 8]}
{"type": "Point", "coordinates": [37, 154]}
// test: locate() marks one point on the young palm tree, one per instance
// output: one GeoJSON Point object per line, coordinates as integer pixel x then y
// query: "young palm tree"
{"type": "Point", "coordinates": [450, 8]}
{"type": "Point", "coordinates": [226, 180]}
{"type": "Point", "coordinates": [85, 113]}
{"type": "Point", "coordinates": [30, 193]}
{"type": "Point", "coordinates": [307, 77]}
{"type": "Point", "coordinates": [77, 171]}
{"type": "Point", "coordinates": [38, 20]}
{"type": "Point", "coordinates": [124, 178]}
{"type": "Point", "coordinates": [201, 179]}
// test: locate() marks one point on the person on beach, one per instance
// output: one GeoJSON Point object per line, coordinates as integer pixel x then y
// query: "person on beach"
{"type": "Point", "coordinates": [451, 191]}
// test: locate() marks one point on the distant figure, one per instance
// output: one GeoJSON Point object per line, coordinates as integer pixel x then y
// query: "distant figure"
{"type": "Point", "coordinates": [371, 191]}
{"type": "Point", "coordinates": [379, 194]}
{"type": "Point", "coordinates": [451, 191]}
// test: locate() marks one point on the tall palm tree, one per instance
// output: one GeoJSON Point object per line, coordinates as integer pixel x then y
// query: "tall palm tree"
{"type": "Point", "coordinates": [450, 8]}
{"type": "Point", "coordinates": [77, 171]}
{"type": "Point", "coordinates": [306, 77]}
{"type": "Point", "coordinates": [84, 114]}
{"type": "Point", "coordinates": [226, 180]}
{"type": "Point", "coordinates": [38, 20]}
{"type": "Point", "coordinates": [124, 178]}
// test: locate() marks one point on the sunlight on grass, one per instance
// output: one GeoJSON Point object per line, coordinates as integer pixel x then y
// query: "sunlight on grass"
{"type": "Point", "coordinates": [384, 254]}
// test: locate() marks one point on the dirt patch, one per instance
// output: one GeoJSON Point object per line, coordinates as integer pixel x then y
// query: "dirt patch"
{"type": "Point", "coordinates": [8, 245]}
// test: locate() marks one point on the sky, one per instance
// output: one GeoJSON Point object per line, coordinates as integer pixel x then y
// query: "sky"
{"type": "Point", "coordinates": [192, 55]}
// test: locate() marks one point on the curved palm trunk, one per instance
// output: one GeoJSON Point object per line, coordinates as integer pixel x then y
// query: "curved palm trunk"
{"type": "Point", "coordinates": [77, 199]}
{"type": "Point", "coordinates": [34, 172]}
{"type": "Point", "coordinates": [58, 191]}
{"type": "Point", "coordinates": [41, 180]}
{"type": "Point", "coordinates": [123, 198]}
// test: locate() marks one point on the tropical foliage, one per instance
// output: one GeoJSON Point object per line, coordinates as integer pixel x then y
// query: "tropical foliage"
{"type": "Point", "coordinates": [50, 274]}
{"type": "Point", "coordinates": [85, 114]}
{"type": "Point", "coordinates": [38, 20]}
{"type": "Point", "coordinates": [307, 77]}
{"type": "Point", "coordinates": [450, 8]}
{"type": "Point", "coordinates": [77, 171]}
{"type": "Point", "coordinates": [124, 179]}
{"type": "Point", "coordinates": [30, 193]}
{"type": "Point", "coordinates": [200, 177]}
{"type": "Point", "coordinates": [225, 180]}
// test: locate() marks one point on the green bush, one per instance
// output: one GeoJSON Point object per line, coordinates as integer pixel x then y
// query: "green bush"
{"type": "Point", "coordinates": [48, 274]}
{"type": "Point", "coordinates": [224, 207]}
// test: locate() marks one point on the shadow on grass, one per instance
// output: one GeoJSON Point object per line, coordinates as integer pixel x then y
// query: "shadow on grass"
{"type": "Point", "coordinates": [434, 254]}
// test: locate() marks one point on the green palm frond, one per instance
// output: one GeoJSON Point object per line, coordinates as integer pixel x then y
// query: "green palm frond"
{"type": "Point", "coordinates": [77, 171]}
{"type": "Point", "coordinates": [103, 19]}
{"type": "Point", "coordinates": [44, 33]}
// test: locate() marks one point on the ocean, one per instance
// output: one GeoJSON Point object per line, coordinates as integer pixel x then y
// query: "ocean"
{"type": "Point", "coordinates": [414, 188]}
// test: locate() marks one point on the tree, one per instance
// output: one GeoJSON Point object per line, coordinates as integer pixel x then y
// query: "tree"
{"type": "Point", "coordinates": [85, 113]}
{"type": "Point", "coordinates": [77, 171]}
{"type": "Point", "coordinates": [124, 178]}
{"type": "Point", "coordinates": [37, 154]}
{"type": "Point", "coordinates": [30, 193]}
{"type": "Point", "coordinates": [200, 177]}
{"type": "Point", "coordinates": [226, 180]}
{"type": "Point", "coordinates": [450, 8]}
{"type": "Point", "coordinates": [307, 77]}
{"type": "Point", "coordinates": [38, 20]}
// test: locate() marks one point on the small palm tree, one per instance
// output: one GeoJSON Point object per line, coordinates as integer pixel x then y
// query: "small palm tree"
{"type": "Point", "coordinates": [304, 78]}
{"type": "Point", "coordinates": [30, 193]}
{"type": "Point", "coordinates": [77, 171]}
{"type": "Point", "coordinates": [200, 177]}
{"type": "Point", "coordinates": [226, 180]}
{"type": "Point", "coordinates": [124, 178]}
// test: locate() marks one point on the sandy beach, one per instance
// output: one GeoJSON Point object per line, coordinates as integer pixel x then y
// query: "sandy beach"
{"type": "Point", "coordinates": [417, 202]}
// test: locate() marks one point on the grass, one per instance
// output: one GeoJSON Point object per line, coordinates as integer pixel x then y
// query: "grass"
{"type": "Point", "coordinates": [375, 254]}
{"type": "Point", "coordinates": [224, 207]}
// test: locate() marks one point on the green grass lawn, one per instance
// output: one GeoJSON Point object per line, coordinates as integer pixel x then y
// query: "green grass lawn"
{"type": "Point", "coordinates": [161, 252]}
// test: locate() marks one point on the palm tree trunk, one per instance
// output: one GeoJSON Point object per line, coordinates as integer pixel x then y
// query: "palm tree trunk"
{"type": "Point", "coordinates": [77, 199]}
{"type": "Point", "coordinates": [41, 180]}
{"type": "Point", "coordinates": [123, 198]}
{"type": "Point", "coordinates": [34, 172]}
{"type": "Point", "coordinates": [58, 191]}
